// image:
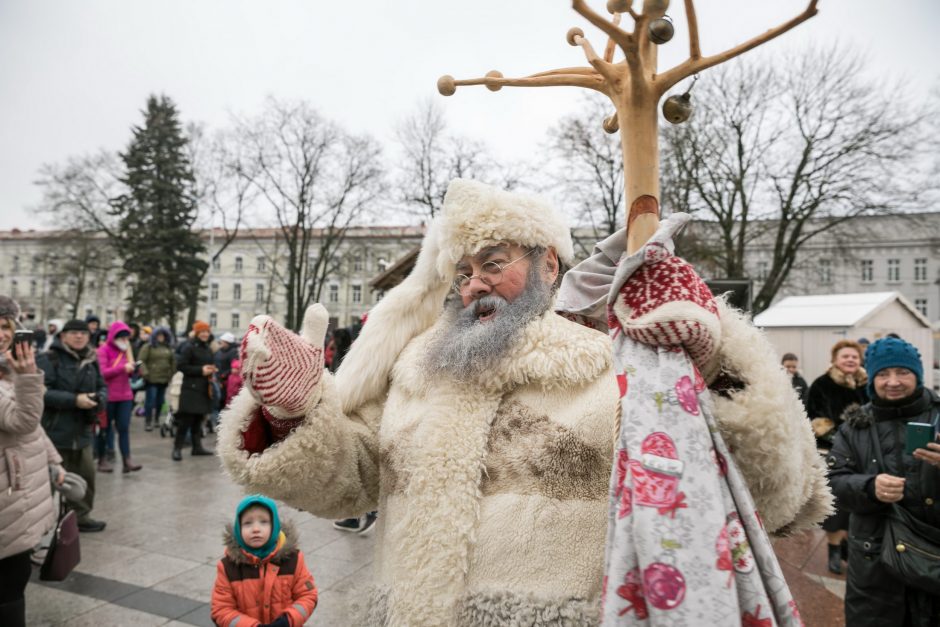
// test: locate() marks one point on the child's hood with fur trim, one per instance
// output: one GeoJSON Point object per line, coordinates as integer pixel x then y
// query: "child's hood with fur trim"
{"type": "Point", "coordinates": [235, 553]}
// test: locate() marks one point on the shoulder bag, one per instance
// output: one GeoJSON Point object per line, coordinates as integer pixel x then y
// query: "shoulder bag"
{"type": "Point", "coordinates": [911, 548]}
{"type": "Point", "coordinates": [64, 552]}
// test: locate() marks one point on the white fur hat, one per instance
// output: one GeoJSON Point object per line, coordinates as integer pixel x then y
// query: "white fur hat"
{"type": "Point", "coordinates": [474, 215]}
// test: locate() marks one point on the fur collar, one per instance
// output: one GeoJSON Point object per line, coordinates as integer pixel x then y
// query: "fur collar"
{"type": "Point", "coordinates": [857, 380]}
{"type": "Point", "coordinates": [552, 351]}
{"type": "Point", "coordinates": [235, 553]}
{"type": "Point", "coordinates": [858, 416]}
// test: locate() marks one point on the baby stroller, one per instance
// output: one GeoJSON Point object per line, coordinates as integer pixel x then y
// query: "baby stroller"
{"type": "Point", "coordinates": [168, 427]}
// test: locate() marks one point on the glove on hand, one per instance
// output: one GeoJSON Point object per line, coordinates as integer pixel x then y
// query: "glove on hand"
{"type": "Point", "coordinates": [665, 303]}
{"type": "Point", "coordinates": [281, 369]}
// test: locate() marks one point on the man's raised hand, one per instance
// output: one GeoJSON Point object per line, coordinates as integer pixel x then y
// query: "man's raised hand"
{"type": "Point", "coordinates": [282, 369]}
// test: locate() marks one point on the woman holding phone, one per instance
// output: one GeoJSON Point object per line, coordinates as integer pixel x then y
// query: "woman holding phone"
{"type": "Point", "coordinates": [868, 481]}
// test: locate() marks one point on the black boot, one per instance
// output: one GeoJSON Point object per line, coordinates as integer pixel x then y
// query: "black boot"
{"type": "Point", "coordinates": [177, 455]}
{"type": "Point", "coordinates": [835, 559]}
{"type": "Point", "coordinates": [197, 440]}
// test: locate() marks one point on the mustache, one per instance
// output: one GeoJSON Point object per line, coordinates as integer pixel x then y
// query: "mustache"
{"type": "Point", "coordinates": [486, 303]}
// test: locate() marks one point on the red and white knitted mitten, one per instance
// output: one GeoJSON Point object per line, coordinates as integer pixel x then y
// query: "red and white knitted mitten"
{"type": "Point", "coordinates": [666, 303]}
{"type": "Point", "coordinates": [281, 369]}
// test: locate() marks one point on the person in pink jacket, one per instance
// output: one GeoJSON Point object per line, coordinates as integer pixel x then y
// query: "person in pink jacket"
{"type": "Point", "coordinates": [117, 365]}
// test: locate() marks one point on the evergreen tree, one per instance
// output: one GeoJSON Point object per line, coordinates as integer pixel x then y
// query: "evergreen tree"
{"type": "Point", "coordinates": [158, 248]}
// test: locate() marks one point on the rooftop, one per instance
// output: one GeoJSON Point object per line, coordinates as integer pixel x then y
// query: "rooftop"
{"type": "Point", "coordinates": [830, 310]}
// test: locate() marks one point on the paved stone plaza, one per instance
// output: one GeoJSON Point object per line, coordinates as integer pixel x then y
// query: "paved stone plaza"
{"type": "Point", "coordinates": [155, 562]}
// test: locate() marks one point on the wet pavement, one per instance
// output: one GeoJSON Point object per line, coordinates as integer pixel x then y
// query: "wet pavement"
{"type": "Point", "coordinates": [155, 562]}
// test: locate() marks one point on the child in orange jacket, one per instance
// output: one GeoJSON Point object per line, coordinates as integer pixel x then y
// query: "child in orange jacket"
{"type": "Point", "coordinates": [262, 581]}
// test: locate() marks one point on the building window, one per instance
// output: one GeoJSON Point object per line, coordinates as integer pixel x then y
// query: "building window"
{"type": "Point", "coordinates": [357, 263]}
{"type": "Point", "coordinates": [213, 320]}
{"type": "Point", "coordinates": [868, 270]}
{"type": "Point", "coordinates": [259, 292]}
{"type": "Point", "coordinates": [894, 270]}
{"type": "Point", "coordinates": [112, 288]}
{"type": "Point", "coordinates": [334, 294]}
{"type": "Point", "coordinates": [32, 287]}
{"type": "Point", "coordinates": [236, 291]}
{"type": "Point", "coordinates": [920, 269]}
{"type": "Point", "coordinates": [357, 293]}
{"type": "Point", "coordinates": [382, 264]}
{"type": "Point", "coordinates": [825, 271]}
{"type": "Point", "coordinates": [214, 291]}
{"type": "Point", "coordinates": [88, 311]}
{"type": "Point", "coordinates": [37, 261]}
{"type": "Point", "coordinates": [763, 270]}
{"type": "Point", "coordinates": [13, 288]}
{"type": "Point", "coordinates": [217, 263]}
{"type": "Point", "coordinates": [16, 263]}
{"type": "Point", "coordinates": [920, 304]}
{"type": "Point", "coordinates": [238, 264]}
{"type": "Point", "coordinates": [108, 316]}
{"type": "Point", "coordinates": [262, 264]}
{"type": "Point", "coordinates": [236, 320]}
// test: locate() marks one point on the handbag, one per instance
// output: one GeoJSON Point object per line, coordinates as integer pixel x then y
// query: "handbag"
{"type": "Point", "coordinates": [64, 550]}
{"type": "Point", "coordinates": [910, 548]}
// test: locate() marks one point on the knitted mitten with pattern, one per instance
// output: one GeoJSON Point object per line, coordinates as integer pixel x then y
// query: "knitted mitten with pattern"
{"type": "Point", "coordinates": [282, 370]}
{"type": "Point", "coordinates": [665, 303]}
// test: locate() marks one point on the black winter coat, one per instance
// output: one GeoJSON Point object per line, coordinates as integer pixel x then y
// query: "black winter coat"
{"type": "Point", "coordinates": [828, 399]}
{"type": "Point", "coordinates": [194, 395]}
{"type": "Point", "coordinates": [66, 375]}
{"type": "Point", "coordinates": [872, 596]}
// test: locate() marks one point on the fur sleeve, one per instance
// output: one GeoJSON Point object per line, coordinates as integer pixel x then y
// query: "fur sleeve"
{"type": "Point", "coordinates": [766, 429]}
{"type": "Point", "coordinates": [327, 466]}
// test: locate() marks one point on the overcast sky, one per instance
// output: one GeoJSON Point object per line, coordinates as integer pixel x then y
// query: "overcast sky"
{"type": "Point", "coordinates": [74, 74]}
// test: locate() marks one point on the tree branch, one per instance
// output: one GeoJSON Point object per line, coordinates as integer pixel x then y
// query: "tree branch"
{"type": "Point", "coordinates": [603, 67]}
{"type": "Point", "coordinates": [556, 80]}
{"type": "Point", "coordinates": [692, 66]}
{"type": "Point", "coordinates": [611, 44]}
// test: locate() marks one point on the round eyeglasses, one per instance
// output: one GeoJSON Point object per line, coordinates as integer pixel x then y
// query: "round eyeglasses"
{"type": "Point", "coordinates": [491, 273]}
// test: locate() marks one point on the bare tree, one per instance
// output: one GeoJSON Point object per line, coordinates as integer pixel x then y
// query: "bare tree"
{"type": "Point", "coordinates": [589, 167]}
{"type": "Point", "coordinates": [432, 157]}
{"type": "Point", "coordinates": [77, 201]}
{"type": "Point", "coordinates": [318, 180]}
{"type": "Point", "coordinates": [223, 195]}
{"type": "Point", "coordinates": [781, 156]}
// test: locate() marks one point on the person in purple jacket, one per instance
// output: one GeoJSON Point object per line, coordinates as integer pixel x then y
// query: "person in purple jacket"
{"type": "Point", "coordinates": [117, 365]}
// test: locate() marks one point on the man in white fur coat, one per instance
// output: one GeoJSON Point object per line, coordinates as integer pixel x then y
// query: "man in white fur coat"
{"type": "Point", "coordinates": [480, 423]}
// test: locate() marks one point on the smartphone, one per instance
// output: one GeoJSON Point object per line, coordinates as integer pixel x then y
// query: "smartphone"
{"type": "Point", "coordinates": [918, 435]}
{"type": "Point", "coordinates": [21, 336]}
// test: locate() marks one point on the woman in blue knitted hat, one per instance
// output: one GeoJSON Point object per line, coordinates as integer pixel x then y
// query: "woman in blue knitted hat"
{"type": "Point", "coordinates": [867, 487]}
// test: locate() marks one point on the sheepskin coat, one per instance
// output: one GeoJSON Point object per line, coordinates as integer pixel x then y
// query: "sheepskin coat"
{"type": "Point", "coordinates": [493, 494]}
{"type": "Point", "coordinates": [27, 510]}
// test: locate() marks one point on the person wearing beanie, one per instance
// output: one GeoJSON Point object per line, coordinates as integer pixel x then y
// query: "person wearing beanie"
{"type": "Point", "coordinates": [263, 580]}
{"type": "Point", "coordinates": [481, 425]}
{"type": "Point", "coordinates": [196, 397]}
{"type": "Point", "coordinates": [228, 350]}
{"type": "Point", "coordinates": [867, 486]}
{"type": "Point", "coordinates": [94, 330]}
{"type": "Point", "coordinates": [75, 390]}
{"type": "Point", "coordinates": [842, 387]}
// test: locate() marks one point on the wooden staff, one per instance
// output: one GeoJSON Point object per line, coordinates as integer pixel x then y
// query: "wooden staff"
{"type": "Point", "coordinates": [635, 87]}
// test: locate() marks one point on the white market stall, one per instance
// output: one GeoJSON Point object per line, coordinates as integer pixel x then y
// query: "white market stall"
{"type": "Point", "coordinates": [809, 325]}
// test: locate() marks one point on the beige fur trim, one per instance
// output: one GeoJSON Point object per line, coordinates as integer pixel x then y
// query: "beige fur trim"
{"type": "Point", "coordinates": [476, 215]}
{"type": "Point", "coordinates": [328, 465]}
{"type": "Point", "coordinates": [405, 313]}
{"type": "Point", "coordinates": [766, 428]}
{"type": "Point", "coordinates": [857, 379]}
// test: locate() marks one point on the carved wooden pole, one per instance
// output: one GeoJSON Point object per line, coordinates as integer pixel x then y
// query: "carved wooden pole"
{"type": "Point", "coordinates": [634, 87]}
